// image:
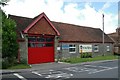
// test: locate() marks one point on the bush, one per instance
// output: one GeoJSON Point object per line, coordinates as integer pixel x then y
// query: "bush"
{"type": "Point", "coordinates": [8, 62]}
{"type": "Point", "coordinates": [86, 55]}
{"type": "Point", "coordinates": [90, 55]}
{"type": "Point", "coordinates": [23, 61]}
{"type": "Point", "coordinates": [83, 55]}
{"type": "Point", "coordinates": [5, 63]}
{"type": "Point", "coordinates": [9, 42]}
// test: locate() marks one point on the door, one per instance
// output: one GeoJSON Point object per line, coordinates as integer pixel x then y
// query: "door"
{"type": "Point", "coordinates": [40, 49]}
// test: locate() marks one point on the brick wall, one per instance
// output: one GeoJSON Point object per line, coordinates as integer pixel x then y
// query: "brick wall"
{"type": "Point", "coordinates": [42, 27]}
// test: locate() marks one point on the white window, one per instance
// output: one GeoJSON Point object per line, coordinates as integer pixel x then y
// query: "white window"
{"type": "Point", "coordinates": [108, 48]}
{"type": "Point", "coordinates": [72, 49]}
{"type": "Point", "coordinates": [96, 48]}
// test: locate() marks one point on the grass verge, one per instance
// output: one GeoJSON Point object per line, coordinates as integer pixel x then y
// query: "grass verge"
{"type": "Point", "coordinates": [97, 58]}
{"type": "Point", "coordinates": [20, 66]}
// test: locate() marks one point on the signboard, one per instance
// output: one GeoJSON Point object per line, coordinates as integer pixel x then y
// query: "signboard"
{"type": "Point", "coordinates": [85, 48]}
{"type": "Point", "coordinates": [58, 48]}
{"type": "Point", "coordinates": [65, 46]}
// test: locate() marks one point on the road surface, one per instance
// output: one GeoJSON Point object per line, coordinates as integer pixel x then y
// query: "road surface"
{"type": "Point", "coordinates": [107, 69]}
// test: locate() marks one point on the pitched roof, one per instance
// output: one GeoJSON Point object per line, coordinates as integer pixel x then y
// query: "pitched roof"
{"type": "Point", "coordinates": [21, 22]}
{"type": "Point", "coordinates": [113, 36]}
{"type": "Point", "coordinates": [68, 32]}
{"type": "Point", "coordinates": [36, 19]}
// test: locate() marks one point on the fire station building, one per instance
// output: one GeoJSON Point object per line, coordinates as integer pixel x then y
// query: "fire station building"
{"type": "Point", "coordinates": [39, 39]}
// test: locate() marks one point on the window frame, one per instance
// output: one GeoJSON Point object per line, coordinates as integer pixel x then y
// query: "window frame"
{"type": "Point", "coordinates": [108, 48]}
{"type": "Point", "coordinates": [73, 47]}
{"type": "Point", "coordinates": [37, 41]}
{"type": "Point", "coordinates": [97, 47]}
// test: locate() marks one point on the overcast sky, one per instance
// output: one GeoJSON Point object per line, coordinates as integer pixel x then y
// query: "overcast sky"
{"type": "Point", "coordinates": [79, 12]}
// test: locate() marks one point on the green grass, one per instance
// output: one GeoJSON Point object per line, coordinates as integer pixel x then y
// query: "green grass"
{"type": "Point", "coordinates": [80, 60]}
{"type": "Point", "coordinates": [20, 66]}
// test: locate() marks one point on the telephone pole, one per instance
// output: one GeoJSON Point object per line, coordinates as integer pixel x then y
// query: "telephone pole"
{"type": "Point", "coordinates": [103, 32]}
{"type": "Point", "coordinates": [118, 32]}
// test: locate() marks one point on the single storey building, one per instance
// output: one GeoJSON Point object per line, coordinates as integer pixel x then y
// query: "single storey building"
{"type": "Point", "coordinates": [41, 40]}
{"type": "Point", "coordinates": [116, 38]}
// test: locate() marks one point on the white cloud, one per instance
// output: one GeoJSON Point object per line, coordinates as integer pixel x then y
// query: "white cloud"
{"type": "Point", "coordinates": [111, 22]}
{"type": "Point", "coordinates": [87, 16]}
{"type": "Point", "coordinates": [71, 13]}
{"type": "Point", "coordinates": [25, 8]}
{"type": "Point", "coordinates": [106, 5]}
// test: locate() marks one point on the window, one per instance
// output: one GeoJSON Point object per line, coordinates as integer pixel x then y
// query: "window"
{"type": "Point", "coordinates": [40, 41]}
{"type": "Point", "coordinates": [40, 45]}
{"type": "Point", "coordinates": [96, 48]}
{"type": "Point", "coordinates": [72, 49]}
{"type": "Point", "coordinates": [49, 39]}
{"type": "Point", "coordinates": [31, 45]}
{"type": "Point", "coordinates": [108, 48]}
{"type": "Point", "coordinates": [31, 39]}
{"type": "Point", "coordinates": [49, 45]}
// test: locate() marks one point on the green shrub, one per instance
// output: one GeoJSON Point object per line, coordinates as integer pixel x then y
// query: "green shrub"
{"type": "Point", "coordinates": [9, 41]}
{"type": "Point", "coordinates": [8, 62]}
{"type": "Point", "coordinates": [23, 61]}
{"type": "Point", "coordinates": [83, 55]}
{"type": "Point", "coordinates": [5, 63]}
{"type": "Point", "coordinates": [86, 55]}
{"type": "Point", "coordinates": [90, 55]}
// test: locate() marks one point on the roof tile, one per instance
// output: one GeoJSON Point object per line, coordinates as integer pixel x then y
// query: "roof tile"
{"type": "Point", "coordinates": [68, 32]}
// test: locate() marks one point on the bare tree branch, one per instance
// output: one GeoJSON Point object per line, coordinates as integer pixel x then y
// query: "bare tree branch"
{"type": "Point", "coordinates": [4, 2]}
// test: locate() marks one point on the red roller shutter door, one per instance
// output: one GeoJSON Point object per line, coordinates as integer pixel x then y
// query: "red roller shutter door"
{"type": "Point", "coordinates": [40, 49]}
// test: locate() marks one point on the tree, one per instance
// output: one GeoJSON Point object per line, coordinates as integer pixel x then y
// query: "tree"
{"type": "Point", "coordinates": [9, 41]}
{"type": "Point", "coordinates": [0, 38]}
{"type": "Point", "coordinates": [9, 38]}
{"type": "Point", "coordinates": [4, 2]}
